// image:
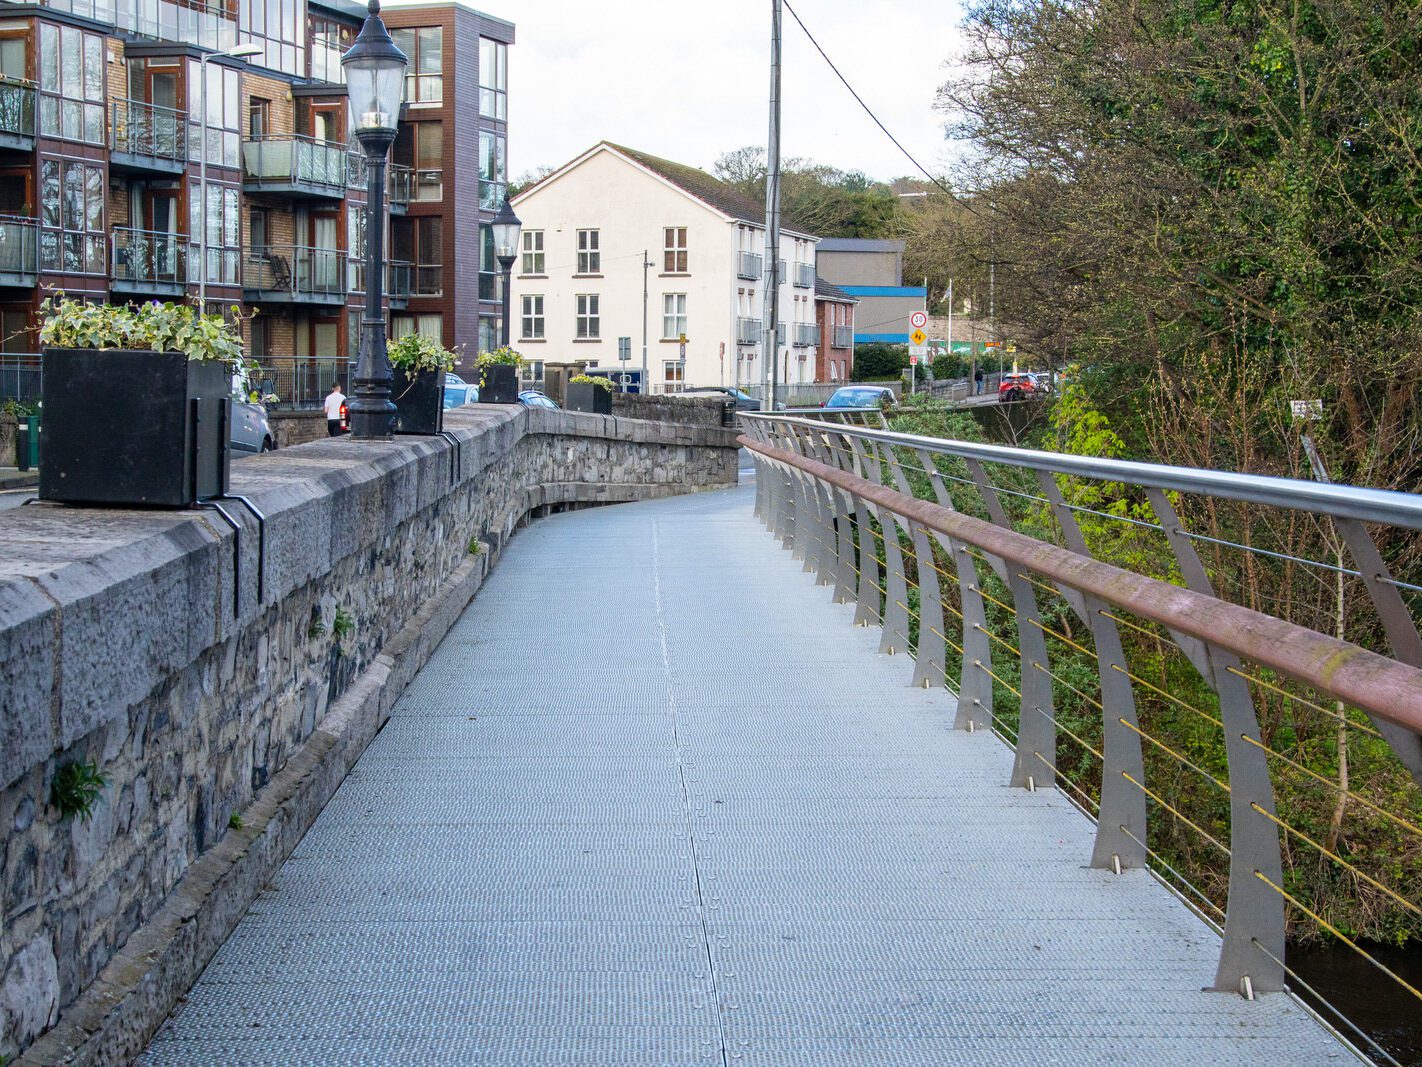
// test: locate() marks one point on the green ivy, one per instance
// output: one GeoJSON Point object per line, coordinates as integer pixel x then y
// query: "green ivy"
{"type": "Point", "coordinates": [415, 352]}
{"type": "Point", "coordinates": [501, 357]}
{"type": "Point", "coordinates": [588, 379]}
{"type": "Point", "coordinates": [154, 326]}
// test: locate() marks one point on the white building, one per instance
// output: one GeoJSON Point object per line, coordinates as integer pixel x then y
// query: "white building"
{"type": "Point", "coordinates": [578, 284]}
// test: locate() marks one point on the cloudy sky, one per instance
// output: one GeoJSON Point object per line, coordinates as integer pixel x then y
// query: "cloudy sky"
{"type": "Point", "coordinates": [689, 79]}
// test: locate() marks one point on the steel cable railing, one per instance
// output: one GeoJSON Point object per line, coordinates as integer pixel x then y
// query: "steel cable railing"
{"type": "Point", "coordinates": [910, 542]}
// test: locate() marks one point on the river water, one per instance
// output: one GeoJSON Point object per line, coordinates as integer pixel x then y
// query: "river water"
{"type": "Point", "coordinates": [1386, 1012]}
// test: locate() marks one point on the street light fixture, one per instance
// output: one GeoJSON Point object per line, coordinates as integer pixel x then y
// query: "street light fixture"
{"type": "Point", "coordinates": [243, 51]}
{"type": "Point", "coordinates": [506, 227]}
{"type": "Point", "coordinates": [375, 80]}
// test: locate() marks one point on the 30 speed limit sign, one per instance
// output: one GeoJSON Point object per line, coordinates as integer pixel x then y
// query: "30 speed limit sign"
{"type": "Point", "coordinates": [918, 320]}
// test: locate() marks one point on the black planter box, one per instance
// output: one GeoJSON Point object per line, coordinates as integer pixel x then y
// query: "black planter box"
{"type": "Point", "coordinates": [585, 397]}
{"type": "Point", "coordinates": [146, 429]}
{"type": "Point", "coordinates": [498, 384]}
{"type": "Point", "coordinates": [419, 401]}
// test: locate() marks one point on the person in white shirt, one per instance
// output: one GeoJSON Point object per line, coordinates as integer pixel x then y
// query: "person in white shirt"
{"type": "Point", "coordinates": [334, 400]}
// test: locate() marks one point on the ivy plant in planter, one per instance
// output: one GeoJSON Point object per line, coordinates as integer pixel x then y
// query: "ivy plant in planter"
{"type": "Point", "coordinates": [589, 393]}
{"type": "Point", "coordinates": [419, 365]}
{"type": "Point", "coordinates": [136, 403]}
{"type": "Point", "coordinates": [498, 376]}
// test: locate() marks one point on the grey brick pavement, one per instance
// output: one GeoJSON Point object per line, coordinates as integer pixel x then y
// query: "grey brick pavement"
{"type": "Point", "coordinates": [656, 801]}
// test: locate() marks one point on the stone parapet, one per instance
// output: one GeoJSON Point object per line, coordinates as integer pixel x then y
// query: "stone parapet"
{"type": "Point", "coordinates": [199, 673]}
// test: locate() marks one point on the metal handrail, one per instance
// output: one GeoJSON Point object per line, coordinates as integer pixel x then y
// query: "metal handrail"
{"type": "Point", "coordinates": [297, 159]}
{"type": "Point", "coordinates": [149, 255]}
{"type": "Point", "coordinates": [145, 129]}
{"type": "Point", "coordinates": [297, 269]}
{"type": "Point", "coordinates": [1340, 501]}
{"type": "Point", "coordinates": [402, 179]}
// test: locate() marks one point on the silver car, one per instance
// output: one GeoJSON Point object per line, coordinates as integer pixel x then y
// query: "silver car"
{"type": "Point", "coordinates": [251, 432]}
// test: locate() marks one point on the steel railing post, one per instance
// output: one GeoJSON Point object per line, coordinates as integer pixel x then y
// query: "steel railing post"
{"type": "Point", "coordinates": [867, 610]}
{"type": "Point", "coordinates": [896, 613]}
{"type": "Point", "coordinates": [930, 653]}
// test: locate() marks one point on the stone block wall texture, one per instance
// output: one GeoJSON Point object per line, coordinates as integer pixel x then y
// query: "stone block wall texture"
{"type": "Point", "coordinates": [686, 410]}
{"type": "Point", "coordinates": [297, 427]}
{"type": "Point", "coordinates": [8, 424]}
{"type": "Point", "coordinates": [135, 641]}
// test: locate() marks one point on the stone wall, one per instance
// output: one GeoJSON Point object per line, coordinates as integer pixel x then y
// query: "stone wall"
{"type": "Point", "coordinates": [296, 427]}
{"type": "Point", "coordinates": [8, 424]}
{"type": "Point", "coordinates": [209, 696]}
{"type": "Point", "coordinates": [686, 410]}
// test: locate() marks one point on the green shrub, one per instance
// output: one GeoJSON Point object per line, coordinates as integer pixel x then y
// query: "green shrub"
{"type": "Point", "coordinates": [154, 326]}
{"type": "Point", "coordinates": [76, 789]}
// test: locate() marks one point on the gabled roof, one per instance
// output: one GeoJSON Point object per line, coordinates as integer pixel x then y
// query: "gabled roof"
{"type": "Point", "coordinates": [694, 182]}
{"type": "Point", "coordinates": [826, 291]}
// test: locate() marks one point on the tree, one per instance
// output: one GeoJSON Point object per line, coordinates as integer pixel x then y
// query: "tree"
{"type": "Point", "coordinates": [814, 198]}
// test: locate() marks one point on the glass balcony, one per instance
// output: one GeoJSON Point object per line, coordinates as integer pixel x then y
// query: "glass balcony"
{"type": "Point", "coordinates": [398, 274]}
{"type": "Point", "coordinates": [19, 251]}
{"type": "Point", "coordinates": [806, 334]}
{"type": "Point", "coordinates": [748, 266]}
{"type": "Point", "coordinates": [843, 337]}
{"type": "Point", "coordinates": [147, 139]}
{"type": "Point", "coordinates": [295, 274]}
{"type": "Point", "coordinates": [149, 263]}
{"type": "Point", "coordinates": [749, 331]}
{"type": "Point", "coordinates": [804, 275]}
{"type": "Point", "coordinates": [296, 166]}
{"type": "Point", "coordinates": [402, 186]}
{"type": "Point", "coordinates": [17, 114]}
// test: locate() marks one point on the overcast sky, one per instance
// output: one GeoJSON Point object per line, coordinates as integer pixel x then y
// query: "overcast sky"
{"type": "Point", "coordinates": [689, 79]}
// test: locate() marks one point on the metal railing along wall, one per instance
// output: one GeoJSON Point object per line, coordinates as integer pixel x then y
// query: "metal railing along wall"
{"type": "Point", "coordinates": [20, 377]}
{"type": "Point", "coordinates": [301, 383]}
{"type": "Point", "coordinates": [17, 107]}
{"type": "Point", "coordinates": [290, 160]}
{"type": "Point", "coordinates": [297, 270]}
{"type": "Point", "coordinates": [144, 129]}
{"type": "Point", "coordinates": [149, 256]}
{"type": "Point", "coordinates": [1081, 609]}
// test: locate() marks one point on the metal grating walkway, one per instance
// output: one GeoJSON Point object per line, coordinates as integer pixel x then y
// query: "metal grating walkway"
{"type": "Point", "coordinates": [656, 801]}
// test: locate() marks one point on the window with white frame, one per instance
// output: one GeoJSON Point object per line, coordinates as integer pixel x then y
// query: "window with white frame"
{"type": "Point", "coordinates": [674, 250]}
{"type": "Point", "coordinates": [531, 328]}
{"type": "Point", "coordinates": [673, 315]}
{"type": "Point", "coordinates": [532, 252]}
{"type": "Point", "coordinates": [589, 325]}
{"type": "Point", "coordinates": [589, 258]}
{"type": "Point", "coordinates": [673, 376]}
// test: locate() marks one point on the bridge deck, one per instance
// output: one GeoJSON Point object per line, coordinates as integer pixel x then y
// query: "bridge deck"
{"type": "Point", "coordinates": [656, 801]}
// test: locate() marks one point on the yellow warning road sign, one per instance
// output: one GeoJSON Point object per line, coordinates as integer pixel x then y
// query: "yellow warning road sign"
{"type": "Point", "coordinates": [918, 337]}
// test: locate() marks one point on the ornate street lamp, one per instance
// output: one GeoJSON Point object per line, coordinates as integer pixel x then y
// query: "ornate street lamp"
{"type": "Point", "coordinates": [506, 227]}
{"type": "Point", "coordinates": [375, 79]}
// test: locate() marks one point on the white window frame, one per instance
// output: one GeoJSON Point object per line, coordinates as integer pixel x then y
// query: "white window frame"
{"type": "Point", "coordinates": [673, 316]}
{"type": "Point", "coordinates": [675, 257]}
{"type": "Point", "coordinates": [589, 324]}
{"type": "Point", "coordinates": [589, 252]}
{"type": "Point", "coordinates": [533, 261]}
{"type": "Point", "coordinates": [531, 324]}
{"type": "Point", "coordinates": [673, 375]}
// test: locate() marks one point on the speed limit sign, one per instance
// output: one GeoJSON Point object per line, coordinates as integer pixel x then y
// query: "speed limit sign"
{"type": "Point", "coordinates": [918, 320]}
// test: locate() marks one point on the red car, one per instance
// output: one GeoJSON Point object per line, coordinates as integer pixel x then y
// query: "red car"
{"type": "Point", "coordinates": [1019, 387]}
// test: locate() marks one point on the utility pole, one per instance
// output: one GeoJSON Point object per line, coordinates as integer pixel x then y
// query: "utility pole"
{"type": "Point", "coordinates": [646, 265]}
{"type": "Point", "coordinates": [769, 370]}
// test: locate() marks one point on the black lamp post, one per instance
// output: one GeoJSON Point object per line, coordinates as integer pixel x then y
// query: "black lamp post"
{"type": "Point", "coordinates": [506, 227]}
{"type": "Point", "coordinates": [375, 79]}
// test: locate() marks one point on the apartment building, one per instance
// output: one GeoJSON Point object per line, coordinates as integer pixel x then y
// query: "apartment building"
{"type": "Point", "coordinates": [872, 272]}
{"type": "Point", "coordinates": [834, 314]}
{"type": "Point", "coordinates": [103, 133]}
{"type": "Point", "coordinates": [579, 282]}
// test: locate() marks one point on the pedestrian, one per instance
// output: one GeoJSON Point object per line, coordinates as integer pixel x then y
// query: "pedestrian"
{"type": "Point", "coordinates": [335, 400]}
{"type": "Point", "coordinates": [978, 382]}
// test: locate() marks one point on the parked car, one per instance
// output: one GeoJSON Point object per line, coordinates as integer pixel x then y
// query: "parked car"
{"type": "Point", "coordinates": [1014, 387]}
{"type": "Point", "coordinates": [744, 401]}
{"type": "Point", "coordinates": [861, 396]}
{"type": "Point", "coordinates": [450, 378]}
{"type": "Point", "coordinates": [250, 432]}
{"type": "Point", "coordinates": [456, 396]}
{"type": "Point", "coordinates": [532, 398]}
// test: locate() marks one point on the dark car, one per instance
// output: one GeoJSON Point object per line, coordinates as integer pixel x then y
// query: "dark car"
{"type": "Point", "coordinates": [532, 398]}
{"type": "Point", "coordinates": [744, 401]}
{"type": "Point", "coordinates": [861, 396]}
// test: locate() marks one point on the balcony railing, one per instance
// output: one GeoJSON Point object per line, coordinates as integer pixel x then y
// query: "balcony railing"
{"type": "Point", "coordinates": [19, 251]}
{"type": "Point", "coordinates": [299, 166]}
{"type": "Point", "coordinates": [843, 337]}
{"type": "Point", "coordinates": [402, 186]}
{"type": "Point", "coordinates": [17, 113]}
{"type": "Point", "coordinates": [398, 276]}
{"type": "Point", "coordinates": [749, 331]}
{"type": "Point", "coordinates": [20, 376]}
{"type": "Point", "coordinates": [295, 274]}
{"type": "Point", "coordinates": [146, 136]}
{"type": "Point", "coordinates": [806, 334]}
{"type": "Point", "coordinates": [805, 275]}
{"type": "Point", "coordinates": [148, 261]}
{"type": "Point", "coordinates": [748, 266]}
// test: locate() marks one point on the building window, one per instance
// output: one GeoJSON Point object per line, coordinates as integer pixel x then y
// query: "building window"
{"type": "Point", "coordinates": [224, 113]}
{"type": "Point", "coordinates": [588, 322]}
{"type": "Point", "coordinates": [259, 228]}
{"type": "Point", "coordinates": [530, 373]}
{"type": "Point", "coordinates": [259, 117]}
{"type": "Point", "coordinates": [277, 28]}
{"type": "Point", "coordinates": [329, 41]}
{"type": "Point", "coordinates": [493, 79]}
{"type": "Point", "coordinates": [420, 242]}
{"type": "Point", "coordinates": [673, 376]}
{"type": "Point", "coordinates": [532, 252]}
{"type": "Point", "coordinates": [492, 170]}
{"type": "Point", "coordinates": [71, 83]}
{"type": "Point", "coordinates": [224, 236]}
{"type": "Point", "coordinates": [532, 327]}
{"type": "Point", "coordinates": [72, 218]}
{"type": "Point", "coordinates": [673, 315]}
{"type": "Point", "coordinates": [674, 250]}
{"type": "Point", "coordinates": [261, 334]}
{"type": "Point", "coordinates": [429, 325]}
{"type": "Point", "coordinates": [589, 258]}
{"type": "Point", "coordinates": [420, 146]}
{"type": "Point", "coordinates": [424, 49]}
{"type": "Point", "coordinates": [488, 333]}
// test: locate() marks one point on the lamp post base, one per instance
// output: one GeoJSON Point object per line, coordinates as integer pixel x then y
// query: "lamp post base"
{"type": "Point", "coordinates": [372, 416]}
